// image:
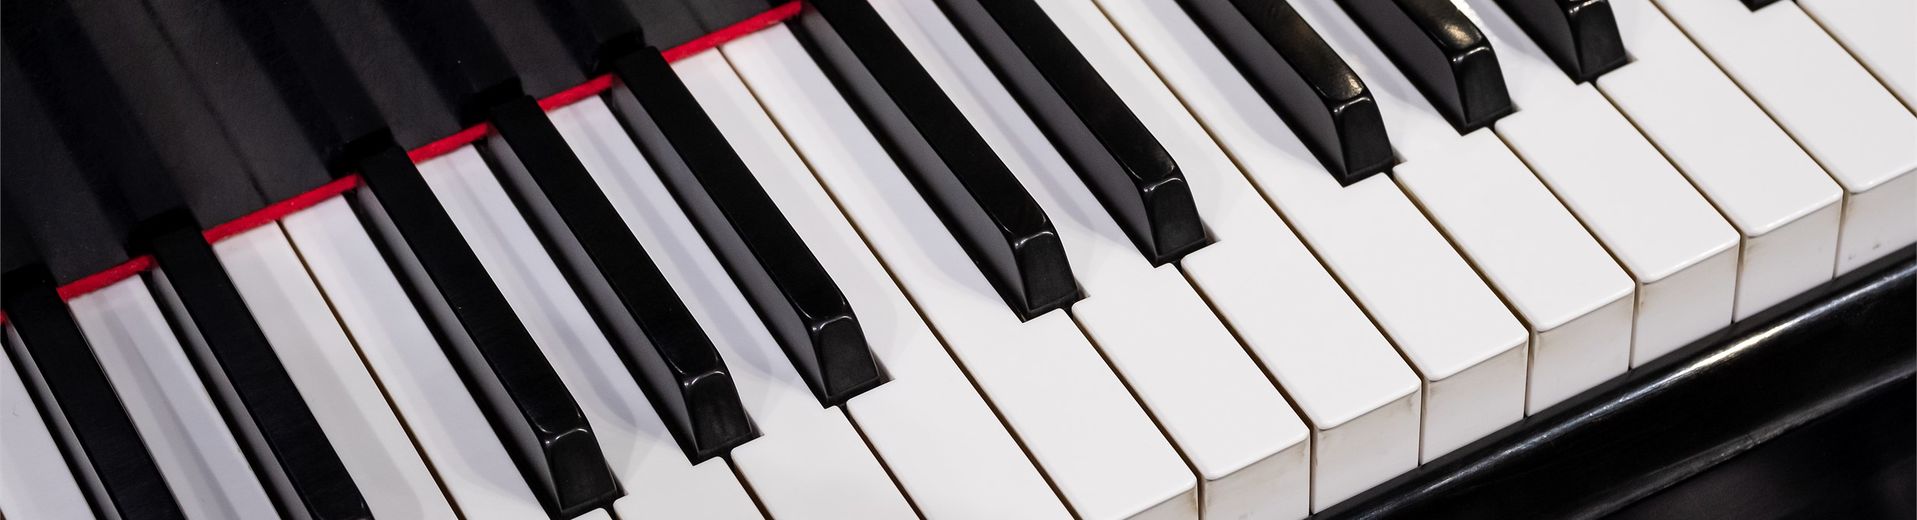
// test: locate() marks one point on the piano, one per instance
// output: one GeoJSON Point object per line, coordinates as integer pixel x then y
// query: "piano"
{"type": "Point", "coordinates": [992, 259]}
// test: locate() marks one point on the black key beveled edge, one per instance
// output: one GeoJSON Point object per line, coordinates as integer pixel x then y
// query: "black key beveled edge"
{"type": "Point", "coordinates": [1131, 174]}
{"type": "Point", "coordinates": [1001, 228]}
{"type": "Point", "coordinates": [1581, 36]}
{"type": "Point", "coordinates": [529, 408]}
{"type": "Point", "coordinates": [1447, 57]}
{"type": "Point", "coordinates": [1311, 87]}
{"type": "Point", "coordinates": [1681, 414]}
{"type": "Point", "coordinates": [791, 292]}
{"type": "Point", "coordinates": [655, 335]}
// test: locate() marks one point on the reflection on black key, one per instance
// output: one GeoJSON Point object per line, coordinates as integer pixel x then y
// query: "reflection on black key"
{"type": "Point", "coordinates": [656, 335]}
{"type": "Point", "coordinates": [1318, 95]}
{"type": "Point", "coordinates": [792, 293]}
{"type": "Point", "coordinates": [72, 391]}
{"type": "Point", "coordinates": [1006, 233]}
{"type": "Point", "coordinates": [542, 426]}
{"type": "Point", "coordinates": [281, 437]}
{"type": "Point", "coordinates": [1581, 35]}
{"type": "Point", "coordinates": [1132, 175]}
{"type": "Point", "coordinates": [1443, 53]}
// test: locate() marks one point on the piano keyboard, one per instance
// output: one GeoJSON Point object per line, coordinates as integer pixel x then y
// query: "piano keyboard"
{"type": "Point", "coordinates": [1098, 259]}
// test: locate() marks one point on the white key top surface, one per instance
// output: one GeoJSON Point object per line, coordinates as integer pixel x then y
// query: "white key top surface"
{"type": "Point", "coordinates": [1574, 297]}
{"type": "Point", "coordinates": [654, 472]}
{"type": "Point", "coordinates": [1452, 328]}
{"type": "Point", "coordinates": [1226, 417]}
{"type": "Point", "coordinates": [1847, 121]}
{"type": "Point", "coordinates": [330, 377]}
{"type": "Point", "coordinates": [1309, 335]}
{"type": "Point", "coordinates": [1675, 245]}
{"type": "Point", "coordinates": [1879, 34]}
{"type": "Point", "coordinates": [196, 453]}
{"type": "Point", "coordinates": [1761, 181]}
{"type": "Point", "coordinates": [941, 442]}
{"type": "Point", "coordinates": [1059, 398]}
{"type": "Point", "coordinates": [36, 483]}
{"type": "Point", "coordinates": [453, 436]}
{"type": "Point", "coordinates": [809, 461]}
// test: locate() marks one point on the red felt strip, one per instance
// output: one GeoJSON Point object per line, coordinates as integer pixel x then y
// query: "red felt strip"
{"type": "Point", "coordinates": [281, 209]}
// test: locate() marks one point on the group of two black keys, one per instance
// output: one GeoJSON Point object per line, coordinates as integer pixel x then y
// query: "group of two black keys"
{"type": "Point", "coordinates": [341, 104]}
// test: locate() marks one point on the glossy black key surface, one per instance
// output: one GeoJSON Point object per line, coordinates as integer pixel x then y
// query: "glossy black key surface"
{"type": "Point", "coordinates": [1005, 232]}
{"type": "Point", "coordinates": [1116, 156]}
{"type": "Point", "coordinates": [793, 295]}
{"type": "Point", "coordinates": [1323, 101]}
{"type": "Point", "coordinates": [1758, 4]}
{"type": "Point", "coordinates": [653, 331]}
{"type": "Point", "coordinates": [1580, 35]}
{"type": "Point", "coordinates": [73, 394]}
{"type": "Point", "coordinates": [536, 417]}
{"type": "Point", "coordinates": [1443, 53]}
{"type": "Point", "coordinates": [342, 123]}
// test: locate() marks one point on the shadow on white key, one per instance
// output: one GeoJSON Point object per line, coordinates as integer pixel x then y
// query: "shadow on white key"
{"type": "Point", "coordinates": [927, 424]}
{"type": "Point", "coordinates": [1359, 396]}
{"type": "Point", "coordinates": [808, 462]}
{"type": "Point", "coordinates": [1572, 295]}
{"type": "Point", "coordinates": [176, 417]}
{"type": "Point", "coordinates": [418, 379]}
{"type": "Point", "coordinates": [1680, 251]}
{"type": "Point", "coordinates": [1061, 400]}
{"type": "Point", "coordinates": [36, 482]}
{"type": "Point", "coordinates": [1185, 367]}
{"type": "Point", "coordinates": [1780, 200]}
{"type": "Point", "coordinates": [653, 471]}
{"type": "Point", "coordinates": [330, 376]}
{"type": "Point", "coordinates": [1878, 34]}
{"type": "Point", "coordinates": [1453, 329]}
{"type": "Point", "coordinates": [1820, 95]}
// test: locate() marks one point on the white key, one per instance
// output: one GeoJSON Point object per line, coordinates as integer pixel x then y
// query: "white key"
{"type": "Point", "coordinates": [1452, 328]}
{"type": "Point", "coordinates": [36, 482]}
{"type": "Point", "coordinates": [1786, 207]}
{"type": "Point", "coordinates": [809, 462]}
{"type": "Point", "coordinates": [1576, 300]}
{"type": "Point", "coordinates": [654, 472]}
{"type": "Point", "coordinates": [1682, 254]}
{"type": "Point", "coordinates": [950, 454]}
{"type": "Point", "coordinates": [1829, 104]}
{"type": "Point", "coordinates": [453, 436]}
{"type": "Point", "coordinates": [1359, 396]}
{"type": "Point", "coordinates": [1878, 34]}
{"type": "Point", "coordinates": [1058, 397]}
{"type": "Point", "coordinates": [330, 376]}
{"type": "Point", "coordinates": [196, 453]}
{"type": "Point", "coordinates": [1226, 417]}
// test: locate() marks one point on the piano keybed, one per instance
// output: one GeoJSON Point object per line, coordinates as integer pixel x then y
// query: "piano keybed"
{"type": "Point", "coordinates": [1100, 259]}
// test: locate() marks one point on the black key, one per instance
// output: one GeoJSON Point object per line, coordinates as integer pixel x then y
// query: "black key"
{"type": "Point", "coordinates": [541, 425]}
{"type": "Point", "coordinates": [1581, 35]}
{"type": "Point", "coordinates": [1312, 88]}
{"type": "Point", "coordinates": [1758, 4]}
{"type": "Point", "coordinates": [343, 125]}
{"type": "Point", "coordinates": [1118, 158]}
{"type": "Point", "coordinates": [1443, 52]}
{"type": "Point", "coordinates": [58, 366]}
{"type": "Point", "coordinates": [278, 432]}
{"type": "Point", "coordinates": [1004, 231]}
{"type": "Point", "coordinates": [792, 293]}
{"type": "Point", "coordinates": [136, 139]}
{"type": "Point", "coordinates": [654, 333]}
